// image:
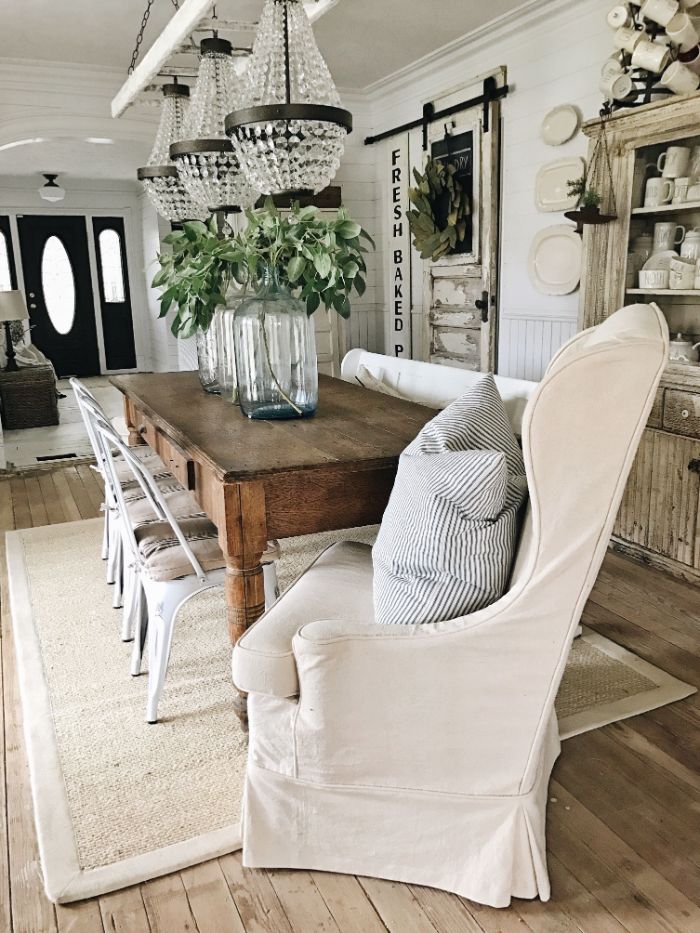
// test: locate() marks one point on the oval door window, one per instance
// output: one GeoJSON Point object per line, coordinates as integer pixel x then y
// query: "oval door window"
{"type": "Point", "coordinates": [58, 285]}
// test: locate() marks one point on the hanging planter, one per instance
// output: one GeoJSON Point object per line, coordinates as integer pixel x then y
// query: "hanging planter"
{"type": "Point", "coordinates": [589, 186]}
{"type": "Point", "coordinates": [438, 218]}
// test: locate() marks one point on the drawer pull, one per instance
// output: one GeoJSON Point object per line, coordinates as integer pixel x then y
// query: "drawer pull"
{"type": "Point", "coordinates": [685, 413]}
{"type": "Point", "coordinates": [694, 466]}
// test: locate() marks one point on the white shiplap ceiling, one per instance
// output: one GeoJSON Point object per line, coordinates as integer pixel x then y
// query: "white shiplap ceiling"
{"type": "Point", "coordinates": [362, 40]}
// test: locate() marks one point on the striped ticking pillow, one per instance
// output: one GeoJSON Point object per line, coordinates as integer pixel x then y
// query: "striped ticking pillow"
{"type": "Point", "coordinates": [447, 538]}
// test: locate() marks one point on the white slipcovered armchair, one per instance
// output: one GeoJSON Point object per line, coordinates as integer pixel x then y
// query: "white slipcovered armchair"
{"type": "Point", "coordinates": [422, 753]}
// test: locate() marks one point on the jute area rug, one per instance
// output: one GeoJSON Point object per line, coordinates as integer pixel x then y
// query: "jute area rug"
{"type": "Point", "coordinates": [118, 801]}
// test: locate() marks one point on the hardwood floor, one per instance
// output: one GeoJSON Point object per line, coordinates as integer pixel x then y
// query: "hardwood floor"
{"type": "Point", "coordinates": [624, 815]}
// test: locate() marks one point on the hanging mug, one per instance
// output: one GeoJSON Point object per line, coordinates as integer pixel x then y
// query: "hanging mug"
{"type": "Point", "coordinates": [682, 32]}
{"type": "Point", "coordinates": [650, 56]}
{"type": "Point", "coordinates": [660, 11]}
{"type": "Point", "coordinates": [616, 87]}
{"type": "Point", "coordinates": [679, 79]}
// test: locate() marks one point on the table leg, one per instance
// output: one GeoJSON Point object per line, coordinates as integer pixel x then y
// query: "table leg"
{"type": "Point", "coordinates": [243, 539]}
{"type": "Point", "coordinates": [134, 438]}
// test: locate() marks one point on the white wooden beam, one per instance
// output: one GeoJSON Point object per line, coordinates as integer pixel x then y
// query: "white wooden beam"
{"type": "Point", "coordinates": [191, 17]}
{"type": "Point", "coordinates": [180, 27]}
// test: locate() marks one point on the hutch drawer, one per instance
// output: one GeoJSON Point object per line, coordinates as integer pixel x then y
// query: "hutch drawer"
{"type": "Point", "coordinates": [681, 412]}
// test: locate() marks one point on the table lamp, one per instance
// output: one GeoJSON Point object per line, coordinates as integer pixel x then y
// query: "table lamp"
{"type": "Point", "coordinates": [12, 308]}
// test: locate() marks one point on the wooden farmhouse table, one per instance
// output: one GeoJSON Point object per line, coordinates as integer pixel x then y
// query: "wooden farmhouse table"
{"type": "Point", "coordinates": [258, 480]}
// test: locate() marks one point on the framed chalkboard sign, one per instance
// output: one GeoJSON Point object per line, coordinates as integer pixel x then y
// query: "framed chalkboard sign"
{"type": "Point", "coordinates": [459, 150]}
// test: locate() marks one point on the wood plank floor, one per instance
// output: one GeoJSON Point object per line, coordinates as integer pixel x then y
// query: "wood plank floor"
{"type": "Point", "coordinates": [624, 816]}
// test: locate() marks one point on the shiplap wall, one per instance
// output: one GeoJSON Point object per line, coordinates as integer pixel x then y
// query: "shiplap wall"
{"type": "Point", "coordinates": [553, 53]}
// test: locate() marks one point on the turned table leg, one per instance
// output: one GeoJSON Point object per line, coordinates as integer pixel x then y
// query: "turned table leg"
{"type": "Point", "coordinates": [134, 438]}
{"type": "Point", "coordinates": [243, 539]}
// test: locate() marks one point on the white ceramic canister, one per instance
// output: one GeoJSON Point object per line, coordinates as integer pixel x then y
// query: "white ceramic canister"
{"type": "Point", "coordinates": [690, 247]}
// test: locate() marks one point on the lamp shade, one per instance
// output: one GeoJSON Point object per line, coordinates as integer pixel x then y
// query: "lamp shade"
{"type": "Point", "coordinates": [13, 306]}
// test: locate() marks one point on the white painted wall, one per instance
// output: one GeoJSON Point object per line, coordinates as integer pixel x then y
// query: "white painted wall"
{"type": "Point", "coordinates": [553, 52]}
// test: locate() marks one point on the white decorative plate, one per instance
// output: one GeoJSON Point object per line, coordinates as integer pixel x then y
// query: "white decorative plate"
{"type": "Point", "coordinates": [560, 124]}
{"type": "Point", "coordinates": [551, 185]}
{"type": "Point", "coordinates": [554, 262]}
{"type": "Point", "coordinates": [660, 261]}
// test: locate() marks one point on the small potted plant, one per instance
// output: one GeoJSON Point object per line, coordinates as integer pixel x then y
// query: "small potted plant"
{"type": "Point", "coordinates": [588, 205]}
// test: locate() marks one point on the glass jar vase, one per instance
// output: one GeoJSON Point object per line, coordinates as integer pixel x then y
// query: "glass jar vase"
{"type": "Point", "coordinates": [275, 347]}
{"type": "Point", "coordinates": [208, 355]}
{"type": "Point", "coordinates": [228, 380]}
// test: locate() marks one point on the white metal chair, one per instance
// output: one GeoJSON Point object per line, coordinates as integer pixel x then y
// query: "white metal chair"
{"type": "Point", "coordinates": [111, 542]}
{"type": "Point", "coordinates": [171, 560]}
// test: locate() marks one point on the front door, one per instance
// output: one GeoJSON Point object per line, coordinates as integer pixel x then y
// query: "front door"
{"type": "Point", "coordinates": [460, 290]}
{"type": "Point", "coordinates": [58, 286]}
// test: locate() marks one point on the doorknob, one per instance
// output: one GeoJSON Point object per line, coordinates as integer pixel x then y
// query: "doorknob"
{"type": "Point", "coordinates": [483, 305]}
{"type": "Point", "coordinates": [32, 295]}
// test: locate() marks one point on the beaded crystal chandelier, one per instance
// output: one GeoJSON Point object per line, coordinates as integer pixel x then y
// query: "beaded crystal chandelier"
{"type": "Point", "coordinates": [159, 177]}
{"type": "Point", "coordinates": [290, 133]}
{"type": "Point", "coordinates": [206, 160]}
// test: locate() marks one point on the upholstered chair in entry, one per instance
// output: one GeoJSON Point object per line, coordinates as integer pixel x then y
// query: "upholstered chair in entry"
{"type": "Point", "coordinates": [422, 753]}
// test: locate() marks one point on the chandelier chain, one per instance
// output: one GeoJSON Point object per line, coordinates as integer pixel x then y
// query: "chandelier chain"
{"type": "Point", "coordinates": [142, 29]}
{"type": "Point", "coordinates": [139, 37]}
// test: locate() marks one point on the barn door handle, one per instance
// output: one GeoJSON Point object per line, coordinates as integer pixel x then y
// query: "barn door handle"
{"type": "Point", "coordinates": [483, 305]}
{"type": "Point", "coordinates": [694, 466]}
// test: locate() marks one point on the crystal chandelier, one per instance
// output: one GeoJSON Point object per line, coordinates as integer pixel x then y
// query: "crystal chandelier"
{"type": "Point", "coordinates": [159, 177]}
{"type": "Point", "coordinates": [206, 161]}
{"type": "Point", "coordinates": [290, 135]}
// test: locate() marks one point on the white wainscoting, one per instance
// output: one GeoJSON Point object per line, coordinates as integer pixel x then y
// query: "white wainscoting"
{"type": "Point", "coordinates": [527, 344]}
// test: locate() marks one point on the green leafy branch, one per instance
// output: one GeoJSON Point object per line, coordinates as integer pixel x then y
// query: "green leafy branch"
{"type": "Point", "coordinates": [437, 188]}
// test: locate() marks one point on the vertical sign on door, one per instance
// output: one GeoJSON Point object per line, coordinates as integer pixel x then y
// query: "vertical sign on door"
{"type": "Point", "coordinates": [398, 286]}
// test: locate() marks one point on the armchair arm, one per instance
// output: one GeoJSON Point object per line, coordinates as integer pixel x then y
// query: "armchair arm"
{"type": "Point", "coordinates": [443, 707]}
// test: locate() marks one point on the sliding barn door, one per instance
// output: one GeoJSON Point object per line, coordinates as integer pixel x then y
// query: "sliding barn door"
{"type": "Point", "coordinates": [461, 290]}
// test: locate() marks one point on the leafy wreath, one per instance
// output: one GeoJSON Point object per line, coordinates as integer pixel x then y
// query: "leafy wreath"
{"type": "Point", "coordinates": [438, 220]}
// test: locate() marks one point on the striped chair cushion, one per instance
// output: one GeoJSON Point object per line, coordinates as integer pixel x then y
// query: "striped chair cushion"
{"type": "Point", "coordinates": [447, 539]}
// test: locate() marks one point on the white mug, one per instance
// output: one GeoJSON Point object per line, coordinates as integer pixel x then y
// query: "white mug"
{"type": "Point", "coordinates": [681, 274]}
{"type": "Point", "coordinates": [694, 165]}
{"type": "Point", "coordinates": [627, 38]}
{"type": "Point", "coordinates": [679, 79]}
{"type": "Point", "coordinates": [691, 58]}
{"type": "Point", "coordinates": [667, 235]}
{"type": "Point", "coordinates": [689, 4]}
{"type": "Point", "coordinates": [690, 248]}
{"type": "Point", "coordinates": [618, 16]}
{"type": "Point", "coordinates": [654, 278]}
{"type": "Point", "coordinates": [682, 32]}
{"type": "Point", "coordinates": [660, 11]}
{"type": "Point", "coordinates": [651, 56]}
{"type": "Point", "coordinates": [658, 191]}
{"type": "Point", "coordinates": [680, 189]}
{"type": "Point", "coordinates": [673, 163]}
{"type": "Point", "coordinates": [693, 193]}
{"type": "Point", "coordinates": [616, 87]}
{"type": "Point", "coordinates": [611, 66]}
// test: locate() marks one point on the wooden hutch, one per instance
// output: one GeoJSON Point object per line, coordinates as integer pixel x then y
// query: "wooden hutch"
{"type": "Point", "coordinates": [659, 519]}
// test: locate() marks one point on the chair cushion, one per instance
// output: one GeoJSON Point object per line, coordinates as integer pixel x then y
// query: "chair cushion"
{"type": "Point", "coordinates": [164, 558]}
{"type": "Point", "coordinates": [180, 503]}
{"type": "Point", "coordinates": [133, 492]}
{"type": "Point", "coordinates": [337, 586]}
{"type": "Point", "coordinates": [150, 461]}
{"type": "Point", "coordinates": [447, 538]}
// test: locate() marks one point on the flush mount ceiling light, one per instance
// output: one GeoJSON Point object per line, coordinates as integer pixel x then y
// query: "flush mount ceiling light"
{"type": "Point", "coordinates": [206, 160]}
{"type": "Point", "coordinates": [51, 191]}
{"type": "Point", "coordinates": [290, 135]}
{"type": "Point", "coordinates": [159, 177]}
